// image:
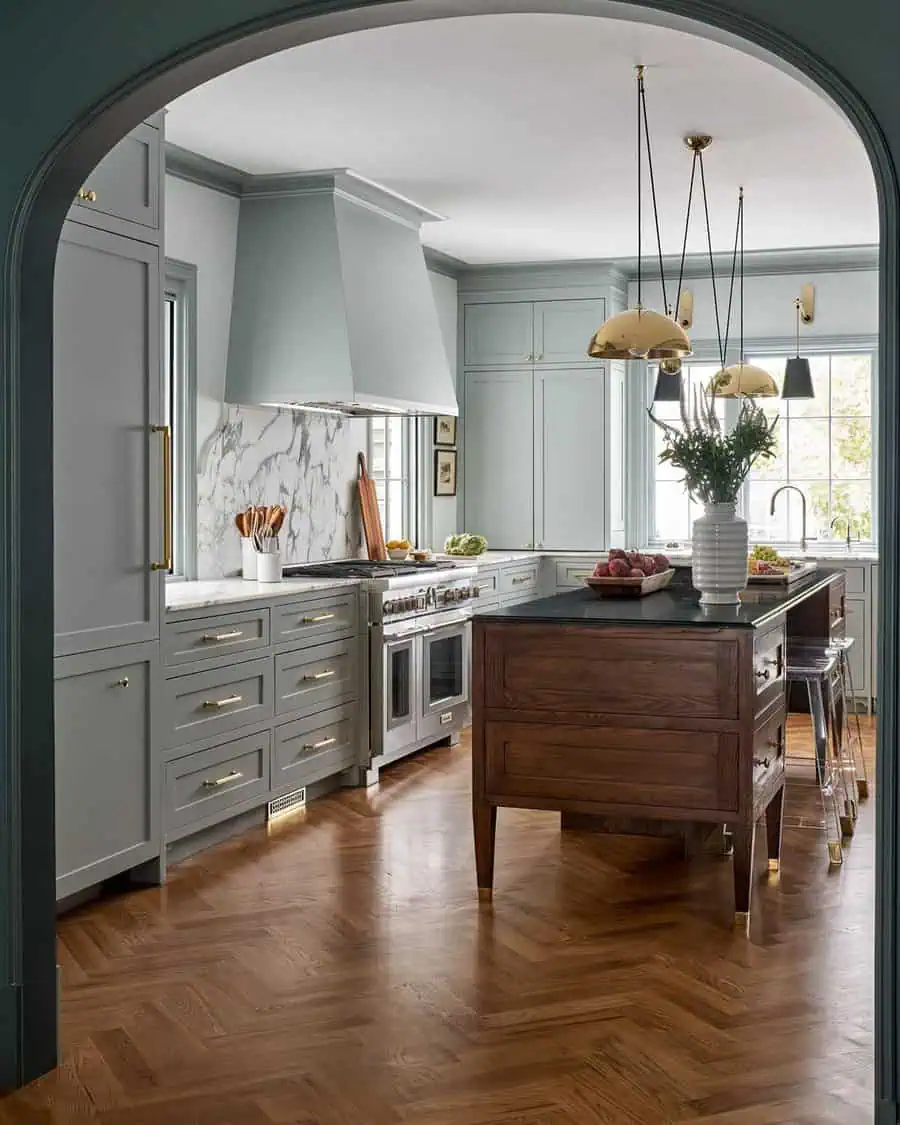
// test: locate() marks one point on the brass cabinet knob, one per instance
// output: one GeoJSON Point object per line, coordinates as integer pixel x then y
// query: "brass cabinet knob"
{"type": "Point", "coordinates": [123, 682]}
{"type": "Point", "coordinates": [85, 195]}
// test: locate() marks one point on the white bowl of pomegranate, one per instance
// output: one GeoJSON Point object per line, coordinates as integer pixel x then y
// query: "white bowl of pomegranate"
{"type": "Point", "coordinates": [629, 574]}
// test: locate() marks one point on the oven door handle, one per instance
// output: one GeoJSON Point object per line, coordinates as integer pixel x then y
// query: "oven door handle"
{"type": "Point", "coordinates": [403, 634]}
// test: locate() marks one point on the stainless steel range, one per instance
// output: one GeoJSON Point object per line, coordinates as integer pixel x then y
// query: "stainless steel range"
{"type": "Point", "coordinates": [419, 650]}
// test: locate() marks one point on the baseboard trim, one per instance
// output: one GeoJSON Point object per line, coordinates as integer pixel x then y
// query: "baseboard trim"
{"type": "Point", "coordinates": [10, 1037]}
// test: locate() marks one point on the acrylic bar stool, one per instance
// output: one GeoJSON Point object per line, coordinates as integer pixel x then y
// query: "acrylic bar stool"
{"type": "Point", "coordinates": [815, 666]}
{"type": "Point", "coordinates": [850, 728]}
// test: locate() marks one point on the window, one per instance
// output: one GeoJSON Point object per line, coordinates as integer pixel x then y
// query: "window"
{"type": "Point", "coordinates": [673, 510]}
{"type": "Point", "coordinates": [825, 447]}
{"type": "Point", "coordinates": [389, 463]}
{"type": "Point", "coordinates": [180, 409]}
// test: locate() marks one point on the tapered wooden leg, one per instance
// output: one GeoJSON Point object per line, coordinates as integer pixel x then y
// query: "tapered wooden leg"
{"type": "Point", "coordinates": [774, 819]}
{"type": "Point", "coordinates": [744, 837]}
{"type": "Point", "coordinates": [484, 817]}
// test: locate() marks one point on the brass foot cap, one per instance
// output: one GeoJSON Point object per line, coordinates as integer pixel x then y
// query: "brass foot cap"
{"type": "Point", "coordinates": [846, 826]}
{"type": "Point", "coordinates": [741, 918]}
{"type": "Point", "coordinates": [485, 894]}
{"type": "Point", "coordinates": [862, 787]}
{"type": "Point", "coordinates": [773, 864]}
{"type": "Point", "coordinates": [835, 855]}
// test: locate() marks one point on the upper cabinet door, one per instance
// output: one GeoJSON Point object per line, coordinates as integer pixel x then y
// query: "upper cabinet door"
{"type": "Point", "coordinates": [107, 462]}
{"type": "Point", "coordinates": [125, 185]}
{"type": "Point", "coordinates": [563, 329]}
{"type": "Point", "coordinates": [570, 458]}
{"type": "Point", "coordinates": [499, 334]}
{"type": "Point", "coordinates": [499, 457]}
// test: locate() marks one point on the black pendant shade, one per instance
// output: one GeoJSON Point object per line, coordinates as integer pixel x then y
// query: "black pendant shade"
{"type": "Point", "coordinates": [668, 386]}
{"type": "Point", "coordinates": [797, 379]}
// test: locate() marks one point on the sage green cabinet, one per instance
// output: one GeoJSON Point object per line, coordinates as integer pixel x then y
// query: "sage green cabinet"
{"type": "Point", "coordinates": [499, 333]}
{"type": "Point", "coordinates": [512, 333]}
{"type": "Point", "coordinates": [123, 193]}
{"type": "Point", "coordinates": [107, 479]}
{"type": "Point", "coordinates": [107, 773]}
{"type": "Point", "coordinates": [499, 456]}
{"type": "Point", "coordinates": [569, 458]}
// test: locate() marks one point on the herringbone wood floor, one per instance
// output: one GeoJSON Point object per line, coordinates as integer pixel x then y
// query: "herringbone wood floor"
{"type": "Point", "coordinates": [339, 970]}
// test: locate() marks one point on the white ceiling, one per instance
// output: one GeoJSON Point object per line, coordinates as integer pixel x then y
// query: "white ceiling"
{"type": "Point", "coordinates": [520, 129]}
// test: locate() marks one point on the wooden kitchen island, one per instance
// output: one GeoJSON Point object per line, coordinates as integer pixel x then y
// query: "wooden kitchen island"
{"type": "Point", "coordinates": [630, 714]}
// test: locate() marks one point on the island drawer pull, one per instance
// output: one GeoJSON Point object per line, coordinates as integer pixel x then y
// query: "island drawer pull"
{"type": "Point", "coordinates": [326, 675]}
{"type": "Point", "coordinates": [211, 783]}
{"type": "Point", "coordinates": [763, 673]}
{"type": "Point", "coordinates": [232, 634]}
{"type": "Point", "coordinates": [318, 745]}
{"type": "Point", "coordinates": [215, 704]}
{"type": "Point", "coordinates": [764, 762]}
{"type": "Point", "coordinates": [318, 617]}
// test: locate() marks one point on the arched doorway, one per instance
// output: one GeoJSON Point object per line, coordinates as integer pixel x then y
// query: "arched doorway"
{"type": "Point", "coordinates": [136, 75]}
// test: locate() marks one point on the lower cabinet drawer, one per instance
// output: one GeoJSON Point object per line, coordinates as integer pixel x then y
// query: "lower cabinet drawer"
{"type": "Point", "coordinates": [204, 703]}
{"type": "Point", "coordinates": [319, 617]}
{"type": "Point", "coordinates": [310, 749]}
{"type": "Point", "coordinates": [572, 573]}
{"type": "Point", "coordinates": [487, 582]}
{"type": "Point", "coordinates": [205, 787]}
{"type": "Point", "coordinates": [520, 579]}
{"type": "Point", "coordinates": [215, 638]}
{"type": "Point", "coordinates": [312, 679]}
{"type": "Point", "coordinates": [768, 754]}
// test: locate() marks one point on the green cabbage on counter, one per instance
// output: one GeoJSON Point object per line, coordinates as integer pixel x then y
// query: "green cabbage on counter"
{"type": "Point", "coordinates": [465, 543]}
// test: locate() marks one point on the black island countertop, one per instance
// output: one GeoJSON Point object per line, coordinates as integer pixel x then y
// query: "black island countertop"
{"type": "Point", "coordinates": [678, 605]}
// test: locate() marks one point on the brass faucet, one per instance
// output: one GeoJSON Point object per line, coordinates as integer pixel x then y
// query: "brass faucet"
{"type": "Point", "coordinates": [791, 488]}
{"type": "Point", "coordinates": [846, 519]}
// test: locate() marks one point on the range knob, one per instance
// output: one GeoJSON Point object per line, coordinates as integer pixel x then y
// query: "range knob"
{"type": "Point", "coordinates": [409, 603]}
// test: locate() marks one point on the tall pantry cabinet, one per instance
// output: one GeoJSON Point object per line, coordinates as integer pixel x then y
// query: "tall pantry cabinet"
{"type": "Point", "coordinates": [542, 423]}
{"type": "Point", "coordinates": [110, 448]}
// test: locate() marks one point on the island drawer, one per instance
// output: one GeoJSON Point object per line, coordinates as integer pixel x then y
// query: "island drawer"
{"type": "Point", "coordinates": [624, 767]}
{"type": "Point", "coordinates": [769, 676]}
{"type": "Point", "coordinates": [204, 787]}
{"type": "Point", "coordinates": [520, 579]}
{"type": "Point", "coordinates": [308, 750]}
{"type": "Point", "coordinates": [204, 703]}
{"type": "Point", "coordinates": [324, 617]}
{"type": "Point", "coordinates": [837, 598]}
{"type": "Point", "coordinates": [768, 752]}
{"type": "Point", "coordinates": [611, 671]}
{"type": "Point", "coordinates": [215, 638]}
{"type": "Point", "coordinates": [312, 679]}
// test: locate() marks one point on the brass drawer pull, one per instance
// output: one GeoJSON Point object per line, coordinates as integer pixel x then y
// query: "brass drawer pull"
{"type": "Point", "coordinates": [584, 575]}
{"type": "Point", "coordinates": [235, 775]}
{"type": "Point", "coordinates": [519, 581]}
{"type": "Point", "coordinates": [215, 704]}
{"type": "Point", "coordinates": [213, 638]}
{"type": "Point", "coordinates": [85, 195]}
{"type": "Point", "coordinates": [319, 617]}
{"type": "Point", "coordinates": [763, 673]}
{"type": "Point", "coordinates": [326, 675]}
{"type": "Point", "coordinates": [318, 745]}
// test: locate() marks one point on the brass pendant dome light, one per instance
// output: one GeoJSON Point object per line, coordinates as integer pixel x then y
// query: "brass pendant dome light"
{"type": "Point", "coordinates": [641, 333]}
{"type": "Point", "coordinates": [742, 379]}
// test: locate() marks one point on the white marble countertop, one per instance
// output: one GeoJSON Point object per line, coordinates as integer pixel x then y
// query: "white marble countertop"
{"type": "Point", "coordinates": [224, 591]}
{"type": "Point", "coordinates": [490, 558]}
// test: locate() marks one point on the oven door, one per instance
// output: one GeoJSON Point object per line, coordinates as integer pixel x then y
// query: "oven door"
{"type": "Point", "coordinates": [400, 663]}
{"type": "Point", "coordinates": [445, 679]}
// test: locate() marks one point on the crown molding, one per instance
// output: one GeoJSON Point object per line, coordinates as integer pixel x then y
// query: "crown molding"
{"type": "Point", "coordinates": [203, 171]}
{"type": "Point", "coordinates": [769, 263]}
{"type": "Point", "coordinates": [439, 262]}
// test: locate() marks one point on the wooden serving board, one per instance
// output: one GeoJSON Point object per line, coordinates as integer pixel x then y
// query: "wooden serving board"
{"type": "Point", "coordinates": [784, 579]}
{"type": "Point", "coordinates": [629, 587]}
{"type": "Point", "coordinates": [371, 516]}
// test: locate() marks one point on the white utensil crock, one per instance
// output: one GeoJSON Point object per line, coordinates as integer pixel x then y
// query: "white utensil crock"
{"type": "Point", "coordinates": [268, 567]}
{"type": "Point", "coordinates": [719, 565]}
{"type": "Point", "coordinates": [248, 559]}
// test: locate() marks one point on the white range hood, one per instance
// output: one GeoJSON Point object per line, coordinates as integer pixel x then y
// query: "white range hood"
{"type": "Point", "coordinates": [333, 309]}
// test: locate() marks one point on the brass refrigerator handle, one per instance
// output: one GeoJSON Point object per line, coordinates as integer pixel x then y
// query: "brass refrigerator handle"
{"type": "Point", "coordinates": [166, 432]}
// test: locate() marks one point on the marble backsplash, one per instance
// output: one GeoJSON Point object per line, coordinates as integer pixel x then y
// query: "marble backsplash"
{"type": "Point", "coordinates": [307, 462]}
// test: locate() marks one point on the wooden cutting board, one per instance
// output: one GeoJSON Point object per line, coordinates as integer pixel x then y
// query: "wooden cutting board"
{"type": "Point", "coordinates": [371, 516]}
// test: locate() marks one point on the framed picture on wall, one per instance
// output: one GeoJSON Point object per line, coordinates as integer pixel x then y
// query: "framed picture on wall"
{"type": "Point", "coordinates": [445, 429]}
{"type": "Point", "coordinates": [445, 472]}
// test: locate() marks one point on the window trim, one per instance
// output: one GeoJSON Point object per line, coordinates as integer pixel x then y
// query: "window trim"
{"type": "Point", "coordinates": [641, 460]}
{"type": "Point", "coordinates": [408, 474]}
{"type": "Point", "coordinates": [180, 281]}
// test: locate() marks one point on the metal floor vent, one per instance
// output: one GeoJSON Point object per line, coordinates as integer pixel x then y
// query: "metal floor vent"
{"type": "Point", "coordinates": [287, 803]}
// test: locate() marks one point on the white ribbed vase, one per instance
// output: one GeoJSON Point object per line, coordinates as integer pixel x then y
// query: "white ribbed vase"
{"type": "Point", "coordinates": [719, 565]}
